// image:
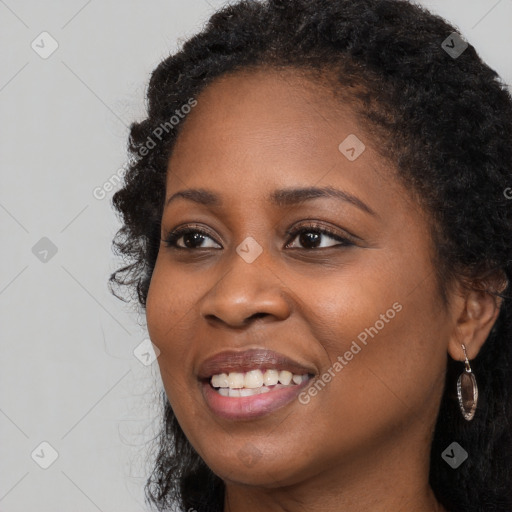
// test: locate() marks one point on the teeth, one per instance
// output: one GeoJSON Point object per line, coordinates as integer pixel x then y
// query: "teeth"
{"type": "Point", "coordinates": [297, 379]}
{"type": "Point", "coordinates": [235, 380]}
{"type": "Point", "coordinates": [271, 377]}
{"type": "Point", "coordinates": [254, 381]}
{"type": "Point", "coordinates": [220, 381]}
{"type": "Point", "coordinates": [285, 377]}
{"type": "Point", "coordinates": [249, 392]}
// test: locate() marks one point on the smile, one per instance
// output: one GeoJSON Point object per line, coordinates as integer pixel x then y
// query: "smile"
{"type": "Point", "coordinates": [254, 382]}
{"type": "Point", "coordinates": [245, 385]}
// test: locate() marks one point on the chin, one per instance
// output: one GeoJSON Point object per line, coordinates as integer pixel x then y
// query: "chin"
{"type": "Point", "coordinates": [247, 468]}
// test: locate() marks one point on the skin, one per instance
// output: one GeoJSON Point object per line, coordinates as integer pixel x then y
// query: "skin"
{"type": "Point", "coordinates": [363, 442]}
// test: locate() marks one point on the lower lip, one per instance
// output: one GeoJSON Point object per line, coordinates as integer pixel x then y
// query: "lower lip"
{"type": "Point", "coordinates": [250, 407]}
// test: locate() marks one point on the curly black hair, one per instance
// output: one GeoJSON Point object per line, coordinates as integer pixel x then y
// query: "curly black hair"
{"type": "Point", "coordinates": [444, 121]}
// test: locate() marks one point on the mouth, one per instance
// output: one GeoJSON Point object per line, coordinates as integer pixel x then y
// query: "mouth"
{"type": "Point", "coordinates": [253, 383]}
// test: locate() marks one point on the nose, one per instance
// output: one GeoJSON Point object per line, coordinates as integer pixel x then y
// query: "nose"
{"type": "Point", "coordinates": [245, 292]}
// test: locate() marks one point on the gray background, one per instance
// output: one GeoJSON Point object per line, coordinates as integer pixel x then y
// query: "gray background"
{"type": "Point", "coordinates": [68, 374]}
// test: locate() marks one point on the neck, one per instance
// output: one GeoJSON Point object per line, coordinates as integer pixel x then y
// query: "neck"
{"type": "Point", "coordinates": [391, 480]}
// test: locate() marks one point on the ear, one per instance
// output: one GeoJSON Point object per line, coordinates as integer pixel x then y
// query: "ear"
{"type": "Point", "coordinates": [476, 311]}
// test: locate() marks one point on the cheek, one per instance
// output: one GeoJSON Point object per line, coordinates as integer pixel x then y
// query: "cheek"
{"type": "Point", "coordinates": [172, 299]}
{"type": "Point", "coordinates": [170, 305]}
{"type": "Point", "coordinates": [169, 309]}
{"type": "Point", "coordinates": [385, 336]}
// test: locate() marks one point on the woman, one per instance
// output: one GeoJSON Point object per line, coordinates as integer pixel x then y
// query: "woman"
{"type": "Point", "coordinates": [319, 233]}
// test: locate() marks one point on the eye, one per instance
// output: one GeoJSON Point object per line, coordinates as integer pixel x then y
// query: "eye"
{"type": "Point", "coordinates": [311, 236]}
{"type": "Point", "coordinates": [193, 238]}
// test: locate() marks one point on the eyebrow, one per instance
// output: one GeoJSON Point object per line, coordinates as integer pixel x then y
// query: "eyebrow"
{"type": "Point", "coordinates": [282, 197]}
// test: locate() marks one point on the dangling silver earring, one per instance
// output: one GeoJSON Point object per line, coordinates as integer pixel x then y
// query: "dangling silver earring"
{"type": "Point", "coordinates": [467, 390]}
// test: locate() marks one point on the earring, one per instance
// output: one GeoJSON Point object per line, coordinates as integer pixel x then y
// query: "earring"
{"type": "Point", "coordinates": [467, 390]}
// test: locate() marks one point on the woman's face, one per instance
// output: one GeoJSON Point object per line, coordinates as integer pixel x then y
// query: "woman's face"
{"type": "Point", "coordinates": [358, 309]}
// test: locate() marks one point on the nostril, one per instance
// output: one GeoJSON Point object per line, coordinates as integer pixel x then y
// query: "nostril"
{"type": "Point", "coordinates": [257, 315]}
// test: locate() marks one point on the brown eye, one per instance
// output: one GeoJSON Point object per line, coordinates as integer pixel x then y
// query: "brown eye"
{"type": "Point", "coordinates": [313, 237]}
{"type": "Point", "coordinates": [192, 239]}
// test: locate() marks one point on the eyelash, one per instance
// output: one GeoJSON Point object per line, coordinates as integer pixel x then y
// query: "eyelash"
{"type": "Point", "coordinates": [172, 237]}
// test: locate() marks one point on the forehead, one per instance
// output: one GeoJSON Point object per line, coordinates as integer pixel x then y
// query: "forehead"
{"type": "Point", "coordinates": [257, 130]}
{"type": "Point", "coordinates": [281, 98]}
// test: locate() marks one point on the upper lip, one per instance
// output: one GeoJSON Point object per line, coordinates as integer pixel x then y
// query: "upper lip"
{"type": "Point", "coordinates": [243, 361]}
